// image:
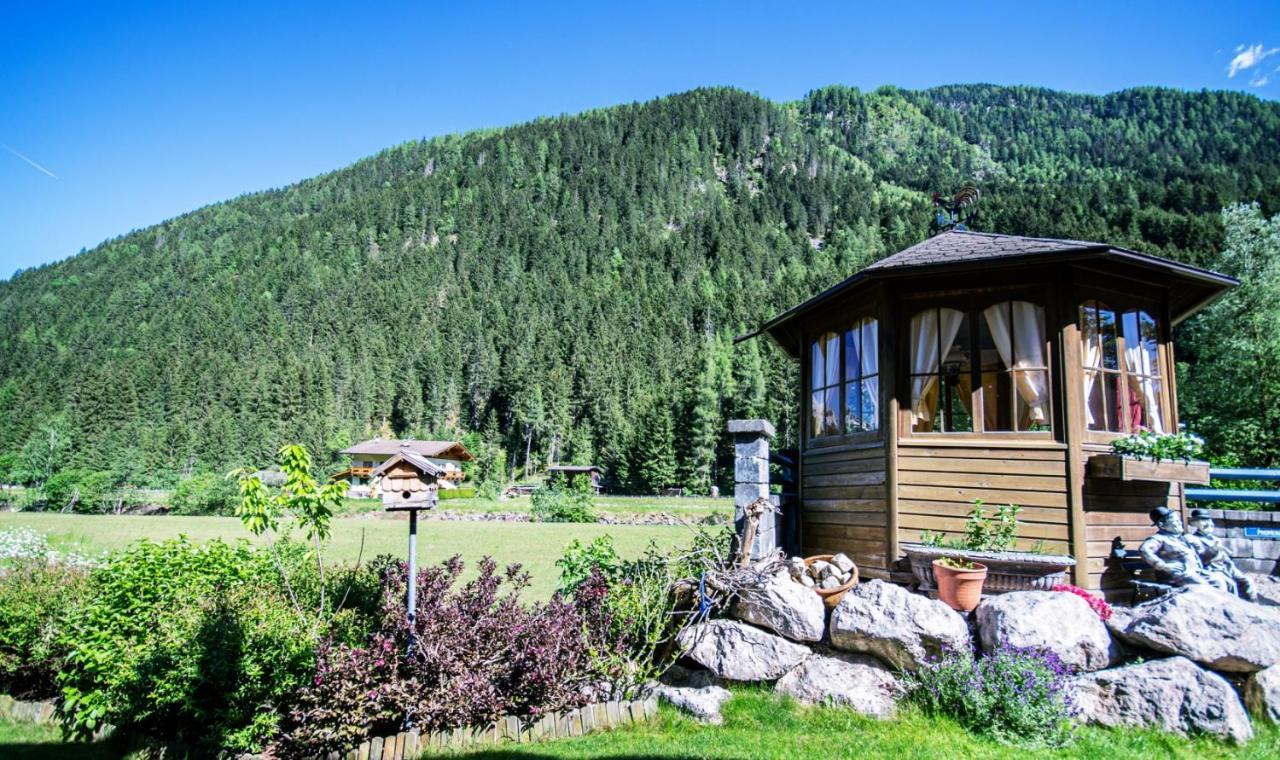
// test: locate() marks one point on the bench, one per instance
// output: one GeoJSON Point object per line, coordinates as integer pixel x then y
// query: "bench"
{"type": "Point", "coordinates": [1142, 580]}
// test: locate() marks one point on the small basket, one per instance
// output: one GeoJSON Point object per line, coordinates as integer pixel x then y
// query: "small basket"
{"type": "Point", "coordinates": [832, 596]}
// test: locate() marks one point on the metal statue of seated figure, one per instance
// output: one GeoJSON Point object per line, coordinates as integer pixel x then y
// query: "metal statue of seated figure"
{"type": "Point", "coordinates": [1175, 556]}
{"type": "Point", "coordinates": [1215, 557]}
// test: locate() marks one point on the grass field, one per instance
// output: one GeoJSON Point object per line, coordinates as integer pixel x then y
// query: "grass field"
{"type": "Point", "coordinates": [760, 725]}
{"type": "Point", "coordinates": [536, 546]}
{"type": "Point", "coordinates": [688, 508]}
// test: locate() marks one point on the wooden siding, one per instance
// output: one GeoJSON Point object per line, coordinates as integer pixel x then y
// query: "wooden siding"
{"type": "Point", "coordinates": [844, 507]}
{"type": "Point", "coordinates": [938, 483]}
{"type": "Point", "coordinates": [1119, 508]}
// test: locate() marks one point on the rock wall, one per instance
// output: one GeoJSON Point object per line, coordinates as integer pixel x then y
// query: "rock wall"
{"type": "Point", "coordinates": [1252, 555]}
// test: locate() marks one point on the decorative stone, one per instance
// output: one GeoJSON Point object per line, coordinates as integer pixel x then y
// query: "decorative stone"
{"type": "Point", "coordinates": [900, 628]}
{"type": "Point", "coordinates": [1216, 629]}
{"type": "Point", "coordinates": [819, 568]}
{"type": "Point", "coordinates": [1173, 694]}
{"type": "Point", "coordinates": [746, 427]}
{"type": "Point", "coordinates": [807, 581]}
{"type": "Point", "coordinates": [843, 562]}
{"type": "Point", "coordinates": [784, 607]}
{"type": "Point", "coordinates": [739, 652]}
{"type": "Point", "coordinates": [702, 704]}
{"type": "Point", "coordinates": [850, 680]}
{"type": "Point", "coordinates": [1262, 694]}
{"type": "Point", "coordinates": [1062, 623]}
{"type": "Point", "coordinates": [751, 470]}
{"type": "Point", "coordinates": [830, 582]}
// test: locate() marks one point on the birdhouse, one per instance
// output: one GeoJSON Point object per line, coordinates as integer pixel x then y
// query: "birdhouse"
{"type": "Point", "coordinates": [409, 481]}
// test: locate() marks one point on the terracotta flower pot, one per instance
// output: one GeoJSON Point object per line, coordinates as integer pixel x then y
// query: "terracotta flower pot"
{"type": "Point", "coordinates": [961, 590]}
{"type": "Point", "coordinates": [832, 596]}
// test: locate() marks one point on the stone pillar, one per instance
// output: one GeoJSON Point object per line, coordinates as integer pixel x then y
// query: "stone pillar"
{"type": "Point", "coordinates": [751, 482]}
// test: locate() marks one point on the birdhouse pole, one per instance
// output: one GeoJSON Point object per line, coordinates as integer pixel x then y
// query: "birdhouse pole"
{"type": "Point", "coordinates": [411, 603]}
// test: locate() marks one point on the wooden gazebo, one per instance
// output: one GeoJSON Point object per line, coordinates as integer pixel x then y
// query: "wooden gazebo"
{"type": "Point", "coordinates": [981, 366]}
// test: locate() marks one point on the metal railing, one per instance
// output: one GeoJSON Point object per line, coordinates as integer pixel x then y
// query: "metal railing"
{"type": "Point", "coordinates": [1227, 494]}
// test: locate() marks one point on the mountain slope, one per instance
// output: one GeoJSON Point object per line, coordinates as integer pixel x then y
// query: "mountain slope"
{"type": "Point", "coordinates": [569, 286]}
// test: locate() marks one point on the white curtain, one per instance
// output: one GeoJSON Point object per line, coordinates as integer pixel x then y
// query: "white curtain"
{"type": "Point", "coordinates": [1028, 335]}
{"type": "Point", "coordinates": [1092, 358]}
{"type": "Point", "coordinates": [832, 359]}
{"type": "Point", "coordinates": [925, 332]}
{"type": "Point", "coordinates": [871, 365]}
{"type": "Point", "coordinates": [1140, 363]}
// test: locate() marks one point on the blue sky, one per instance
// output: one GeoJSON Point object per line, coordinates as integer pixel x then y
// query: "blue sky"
{"type": "Point", "coordinates": [115, 118]}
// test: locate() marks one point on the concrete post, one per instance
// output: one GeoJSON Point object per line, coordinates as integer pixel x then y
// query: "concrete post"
{"type": "Point", "coordinates": [751, 482]}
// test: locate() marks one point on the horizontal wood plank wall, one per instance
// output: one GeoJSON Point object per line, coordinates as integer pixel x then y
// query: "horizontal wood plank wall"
{"type": "Point", "coordinates": [937, 485]}
{"type": "Point", "coordinates": [843, 506]}
{"type": "Point", "coordinates": [1119, 508]}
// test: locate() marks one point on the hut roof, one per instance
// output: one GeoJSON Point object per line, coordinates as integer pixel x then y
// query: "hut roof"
{"type": "Point", "coordinates": [958, 251]}
{"type": "Point", "coordinates": [388, 446]}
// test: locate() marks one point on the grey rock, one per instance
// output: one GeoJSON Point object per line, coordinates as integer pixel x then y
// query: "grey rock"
{"type": "Point", "coordinates": [703, 704]}
{"type": "Point", "coordinates": [900, 628]}
{"type": "Point", "coordinates": [784, 607]}
{"type": "Point", "coordinates": [1062, 623]}
{"type": "Point", "coordinates": [843, 562]}
{"type": "Point", "coordinates": [688, 678]}
{"type": "Point", "coordinates": [742, 427]}
{"type": "Point", "coordinates": [1216, 629]}
{"type": "Point", "coordinates": [849, 680]}
{"type": "Point", "coordinates": [830, 582]}
{"type": "Point", "coordinates": [1173, 694]}
{"type": "Point", "coordinates": [1268, 589]}
{"type": "Point", "coordinates": [1262, 694]}
{"type": "Point", "coordinates": [807, 581]}
{"type": "Point", "coordinates": [738, 652]}
{"type": "Point", "coordinates": [819, 568]}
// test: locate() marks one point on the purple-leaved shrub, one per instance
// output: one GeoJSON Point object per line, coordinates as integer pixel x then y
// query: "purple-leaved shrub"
{"type": "Point", "coordinates": [479, 654]}
{"type": "Point", "coordinates": [1014, 695]}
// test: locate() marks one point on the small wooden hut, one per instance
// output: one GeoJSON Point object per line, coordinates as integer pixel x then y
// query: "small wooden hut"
{"type": "Point", "coordinates": [981, 366]}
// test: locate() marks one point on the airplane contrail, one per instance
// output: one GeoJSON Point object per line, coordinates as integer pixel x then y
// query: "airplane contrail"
{"type": "Point", "coordinates": [24, 158]}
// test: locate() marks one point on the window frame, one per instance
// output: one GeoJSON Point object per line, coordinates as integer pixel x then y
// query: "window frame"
{"type": "Point", "coordinates": [1120, 305]}
{"type": "Point", "coordinates": [841, 383]}
{"type": "Point", "coordinates": [972, 304]}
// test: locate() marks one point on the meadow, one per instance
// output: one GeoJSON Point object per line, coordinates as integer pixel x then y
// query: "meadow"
{"type": "Point", "coordinates": [368, 533]}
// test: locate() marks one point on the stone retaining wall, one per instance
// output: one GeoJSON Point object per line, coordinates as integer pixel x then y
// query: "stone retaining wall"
{"type": "Point", "coordinates": [410, 744]}
{"type": "Point", "coordinates": [1252, 555]}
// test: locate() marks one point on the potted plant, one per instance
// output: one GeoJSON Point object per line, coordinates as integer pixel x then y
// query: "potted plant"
{"type": "Point", "coordinates": [959, 582]}
{"type": "Point", "coordinates": [990, 541]}
{"type": "Point", "coordinates": [1147, 455]}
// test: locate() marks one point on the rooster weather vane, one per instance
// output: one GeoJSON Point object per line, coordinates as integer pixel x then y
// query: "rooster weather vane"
{"type": "Point", "coordinates": [958, 212]}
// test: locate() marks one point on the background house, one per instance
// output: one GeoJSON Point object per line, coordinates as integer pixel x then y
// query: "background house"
{"type": "Point", "coordinates": [571, 471]}
{"type": "Point", "coordinates": [993, 367]}
{"type": "Point", "coordinates": [368, 455]}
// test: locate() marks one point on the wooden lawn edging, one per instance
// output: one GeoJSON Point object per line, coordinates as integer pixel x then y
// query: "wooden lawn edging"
{"type": "Point", "coordinates": [407, 745]}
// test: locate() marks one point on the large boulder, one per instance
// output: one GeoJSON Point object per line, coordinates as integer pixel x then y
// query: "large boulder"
{"type": "Point", "coordinates": [1173, 694]}
{"type": "Point", "coordinates": [784, 607]}
{"type": "Point", "coordinates": [1061, 623]}
{"type": "Point", "coordinates": [849, 680]}
{"type": "Point", "coordinates": [703, 704]}
{"type": "Point", "coordinates": [900, 628]}
{"type": "Point", "coordinates": [1267, 588]}
{"type": "Point", "coordinates": [738, 652]}
{"type": "Point", "coordinates": [1262, 693]}
{"type": "Point", "coordinates": [1216, 629]}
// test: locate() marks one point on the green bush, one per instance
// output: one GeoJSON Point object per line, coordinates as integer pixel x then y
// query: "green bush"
{"type": "Point", "coordinates": [205, 494]}
{"type": "Point", "coordinates": [37, 597]}
{"type": "Point", "coordinates": [558, 501]}
{"type": "Point", "coordinates": [456, 493]}
{"type": "Point", "coordinates": [80, 491]}
{"type": "Point", "coordinates": [198, 643]}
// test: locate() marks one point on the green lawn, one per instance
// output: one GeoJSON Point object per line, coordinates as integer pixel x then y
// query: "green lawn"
{"type": "Point", "coordinates": [534, 545]}
{"type": "Point", "coordinates": [759, 725]}
{"type": "Point", "coordinates": [689, 508]}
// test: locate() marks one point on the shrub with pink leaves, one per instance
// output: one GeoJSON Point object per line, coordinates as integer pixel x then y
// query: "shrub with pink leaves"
{"type": "Point", "coordinates": [1097, 604]}
{"type": "Point", "coordinates": [478, 654]}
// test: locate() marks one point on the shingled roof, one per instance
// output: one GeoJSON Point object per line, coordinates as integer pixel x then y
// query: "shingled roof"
{"type": "Point", "coordinates": [957, 251]}
{"type": "Point", "coordinates": [957, 246]}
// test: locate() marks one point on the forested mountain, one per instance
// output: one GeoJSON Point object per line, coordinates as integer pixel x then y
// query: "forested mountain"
{"type": "Point", "coordinates": [569, 287]}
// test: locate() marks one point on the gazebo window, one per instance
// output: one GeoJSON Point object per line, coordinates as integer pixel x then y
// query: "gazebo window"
{"type": "Point", "coordinates": [862, 377]}
{"type": "Point", "coordinates": [1122, 381]}
{"type": "Point", "coordinates": [984, 370]}
{"type": "Point", "coordinates": [844, 381]}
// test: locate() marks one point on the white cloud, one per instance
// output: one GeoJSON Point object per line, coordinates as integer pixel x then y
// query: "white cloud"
{"type": "Point", "coordinates": [1248, 56]}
